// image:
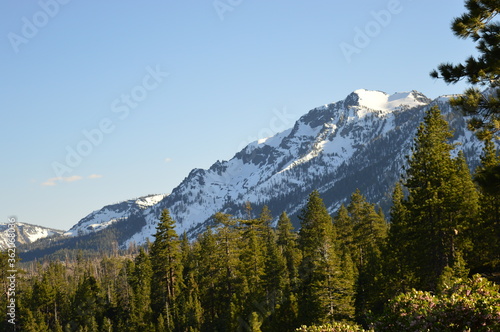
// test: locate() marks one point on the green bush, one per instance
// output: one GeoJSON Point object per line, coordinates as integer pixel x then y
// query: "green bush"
{"type": "Point", "coordinates": [471, 305]}
{"type": "Point", "coordinates": [335, 327]}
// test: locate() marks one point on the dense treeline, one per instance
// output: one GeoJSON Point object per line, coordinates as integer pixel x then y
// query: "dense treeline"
{"type": "Point", "coordinates": [243, 274]}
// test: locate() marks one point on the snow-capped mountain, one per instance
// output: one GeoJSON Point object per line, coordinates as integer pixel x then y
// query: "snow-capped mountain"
{"type": "Point", "coordinates": [110, 214]}
{"type": "Point", "coordinates": [359, 142]}
{"type": "Point", "coordinates": [24, 234]}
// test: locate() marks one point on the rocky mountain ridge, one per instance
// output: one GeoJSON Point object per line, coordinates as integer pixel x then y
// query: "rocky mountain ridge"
{"type": "Point", "coordinates": [360, 142]}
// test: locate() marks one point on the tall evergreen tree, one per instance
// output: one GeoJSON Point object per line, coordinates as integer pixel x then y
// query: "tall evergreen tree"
{"type": "Point", "coordinates": [398, 275]}
{"type": "Point", "coordinates": [369, 229]}
{"type": "Point", "coordinates": [88, 303]}
{"type": "Point", "coordinates": [140, 281]}
{"type": "Point", "coordinates": [276, 280]}
{"type": "Point", "coordinates": [361, 232]}
{"type": "Point", "coordinates": [286, 316]}
{"type": "Point", "coordinates": [227, 238]}
{"type": "Point", "coordinates": [167, 270]}
{"type": "Point", "coordinates": [252, 257]}
{"type": "Point", "coordinates": [322, 289]}
{"type": "Point", "coordinates": [441, 200]}
{"type": "Point", "coordinates": [210, 278]}
{"type": "Point", "coordinates": [190, 310]}
{"type": "Point", "coordinates": [344, 228]}
{"type": "Point", "coordinates": [125, 305]}
{"type": "Point", "coordinates": [487, 232]}
{"type": "Point", "coordinates": [287, 243]}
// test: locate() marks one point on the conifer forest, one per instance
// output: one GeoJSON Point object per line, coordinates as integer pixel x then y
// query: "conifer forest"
{"type": "Point", "coordinates": [431, 264]}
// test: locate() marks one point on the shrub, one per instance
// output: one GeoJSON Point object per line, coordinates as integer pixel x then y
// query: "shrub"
{"type": "Point", "coordinates": [471, 305]}
{"type": "Point", "coordinates": [335, 327]}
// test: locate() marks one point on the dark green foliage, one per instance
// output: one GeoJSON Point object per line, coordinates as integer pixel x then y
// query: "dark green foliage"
{"type": "Point", "coordinates": [189, 298]}
{"type": "Point", "coordinates": [167, 270]}
{"type": "Point", "coordinates": [398, 277]}
{"type": "Point", "coordinates": [87, 303]}
{"type": "Point", "coordinates": [486, 236]}
{"type": "Point", "coordinates": [287, 243]}
{"type": "Point", "coordinates": [228, 238]}
{"type": "Point", "coordinates": [140, 274]}
{"type": "Point", "coordinates": [286, 305]}
{"type": "Point", "coordinates": [442, 201]}
{"type": "Point", "coordinates": [361, 232]}
{"type": "Point", "coordinates": [323, 287]}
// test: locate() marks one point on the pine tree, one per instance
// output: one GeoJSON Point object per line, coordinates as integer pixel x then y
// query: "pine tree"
{"type": "Point", "coordinates": [93, 326]}
{"type": "Point", "coordinates": [107, 325]}
{"type": "Point", "coordinates": [369, 229]}
{"type": "Point", "coordinates": [167, 270]}
{"type": "Point", "coordinates": [286, 316]}
{"type": "Point", "coordinates": [125, 305]}
{"type": "Point", "coordinates": [88, 302]}
{"type": "Point", "coordinates": [441, 200]}
{"type": "Point", "coordinates": [252, 250]}
{"type": "Point", "coordinates": [43, 299]}
{"type": "Point", "coordinates": [486, 233]}
{"type": "Point", "coordinates": [344, 228]}
{"type": "Point", "coordinates": [478, 24]}
{"type": "Point", "coordinates": [140, 282]}
{"type": "Point", "coordinates": [398, 275]}
{"type": "Point", "coordinates": [322, 288]}
{"type": "Point", "coordinates": [483, 71]}
{"type": "Point", "coordinates": [190, 309]}
{"type": "Point", "coordinates": [463, 210]}
{"type": "Point", "coordinates": [33, 322]}
{"type": "Point", "coordinates": [287, 243]}
{"type": "Point", "coordinates": [160, 325]}
{"type": "Point", "coordinates": [361, 232]}
{"type": "Point", "coordinates": [276, 281]}
{"type": "Point", "coordinates": [217, 274]}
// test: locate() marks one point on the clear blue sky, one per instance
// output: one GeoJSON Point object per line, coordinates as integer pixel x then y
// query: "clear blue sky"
{"type": "Point", "coordinates": [162, 87]}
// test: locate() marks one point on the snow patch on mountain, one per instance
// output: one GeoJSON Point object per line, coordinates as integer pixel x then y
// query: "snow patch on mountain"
{"type": "Point", "coordinates": [110, 214]}
{"type": "Point", "coordinates": [384, 102]}
{"type": "Point", "coordinates": [25, 234]}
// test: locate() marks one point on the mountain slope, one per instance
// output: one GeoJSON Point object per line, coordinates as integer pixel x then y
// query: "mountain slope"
{"type": "Point", "coordinates": [113, 213]}
{"type": "Point", "coordinates": [359, 142]}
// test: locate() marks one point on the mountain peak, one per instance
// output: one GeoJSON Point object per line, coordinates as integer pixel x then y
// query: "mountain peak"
{"type": "Point", "coordinates": [381, 101]}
